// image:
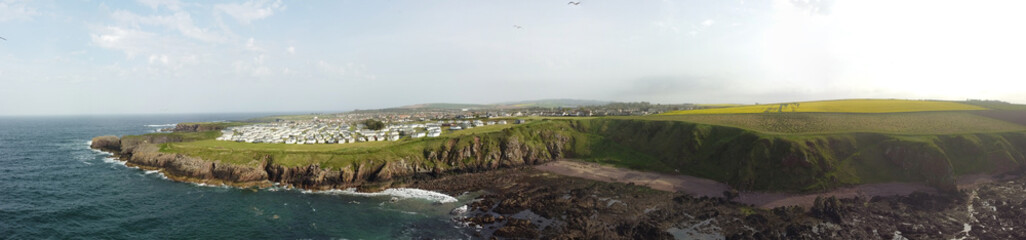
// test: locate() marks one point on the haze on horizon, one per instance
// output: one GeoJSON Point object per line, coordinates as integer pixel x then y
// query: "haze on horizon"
{"type": "Point", "coordinates": [167, 56]}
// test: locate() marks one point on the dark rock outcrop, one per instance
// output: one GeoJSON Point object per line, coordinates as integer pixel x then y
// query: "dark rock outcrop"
{"type": "Point", "coordinates": [106, 143]}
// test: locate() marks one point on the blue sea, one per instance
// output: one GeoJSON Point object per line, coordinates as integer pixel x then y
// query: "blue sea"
{"type": "Point", "coordinates": [53, 186]}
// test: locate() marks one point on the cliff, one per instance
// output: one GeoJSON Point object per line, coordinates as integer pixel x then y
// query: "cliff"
{"type": "Point", "coordinates": [203, 127]}
{"type": "Point", "coordinates": [749, 160]}
{"type": "Point", "coordinates": [744, 159]}
{"type": "Point", "coordinates": [449, 155]}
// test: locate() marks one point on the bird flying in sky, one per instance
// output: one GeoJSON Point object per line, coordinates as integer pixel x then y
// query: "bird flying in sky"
{"type": "Point", "coordinates": [3, 38]}
{"type": "Point", "coordinates": [517, 26]}
{"type": "Point", "coordinates": [574, 3]}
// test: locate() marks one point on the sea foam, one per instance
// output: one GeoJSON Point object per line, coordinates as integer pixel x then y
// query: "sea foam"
{"type": "Point", "coordinates": [395, 192]}
{"type": "Point", "coordinates": [162, 125]}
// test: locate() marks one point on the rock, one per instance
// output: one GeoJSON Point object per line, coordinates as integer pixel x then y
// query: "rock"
{"type": "Point", "coordinates": [106, 143]}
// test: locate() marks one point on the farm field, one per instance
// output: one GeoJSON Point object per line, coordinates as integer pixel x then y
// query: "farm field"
{"type": "Point", "coordinates": [1012, 116]}
{"type": "Point", "coordinates": [840, 106]}
{"type": "Point", "coordinates": [820, 123]}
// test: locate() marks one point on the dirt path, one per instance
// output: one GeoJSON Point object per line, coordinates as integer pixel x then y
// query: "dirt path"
{"type": "Point", "coordinates": [705, 187]}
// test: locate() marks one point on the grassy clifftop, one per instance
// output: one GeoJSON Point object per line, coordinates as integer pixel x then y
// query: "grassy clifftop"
{"type": "Point", "coordinates": [743, 158]}
{"type": "Point", "coordinates": [749, 159]}
{"type": "Point", "coordinates": [793, 151]}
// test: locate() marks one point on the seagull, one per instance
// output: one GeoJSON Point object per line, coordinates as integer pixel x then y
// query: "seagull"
{"type": "Point", "coordinates": [517, 26]}
{"type": "Point", "coordinates": [574, 3]}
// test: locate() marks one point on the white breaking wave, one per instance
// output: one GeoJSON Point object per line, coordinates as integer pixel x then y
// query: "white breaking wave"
{"type": "Point", "coordinates": [395, 192]}
{"type": "Point", "coordinates": [162, 125]}
{"type": "Point", "coordinates": [89, 145]}
{"type": "Point", "coordinates": [113, 161]}
{"type": "Point", "coordinates": [206, 185]}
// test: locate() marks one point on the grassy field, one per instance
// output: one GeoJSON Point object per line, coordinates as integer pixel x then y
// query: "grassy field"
{"type": "Point", "coordinates": [820, 123]}
{"type": "Point", "coordinates": [325, 155]}
{"type": "Point", "coordinates": [478, 130]}
{"type": "Point", "coordinates": [204, 146]}
{"type": "Point", "coordinates": [840, 106]}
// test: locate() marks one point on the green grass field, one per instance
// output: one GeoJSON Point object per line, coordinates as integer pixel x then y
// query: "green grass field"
{"type": "Point", "coordinates": [840, 106]}
{"type": "Point", "coordinates": [204, 146]}
{"type": "Point", "coordinates": [822, 123]}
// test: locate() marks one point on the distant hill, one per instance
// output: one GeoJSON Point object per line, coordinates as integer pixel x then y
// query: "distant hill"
{"type": "Point", "coordinates": [544, 103]}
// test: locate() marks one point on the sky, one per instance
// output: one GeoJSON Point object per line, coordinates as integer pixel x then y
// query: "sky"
{"type": "Point", "coordinates": [168, 56]}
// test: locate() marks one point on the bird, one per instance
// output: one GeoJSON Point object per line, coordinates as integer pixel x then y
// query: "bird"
{"type": "Point", "coordinates": [3, 38]}
{"type": "Point", "coordinates": [517, 26]}
{"type": "Point", "coordinates": [574, 3]}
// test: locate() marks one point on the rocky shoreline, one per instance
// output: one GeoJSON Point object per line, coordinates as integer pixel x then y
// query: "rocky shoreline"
{"type": "Point", "coordinates": [528, 203]}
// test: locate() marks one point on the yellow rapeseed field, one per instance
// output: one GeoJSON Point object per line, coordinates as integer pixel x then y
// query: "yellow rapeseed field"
{"type": "Point", "coordinates": [841, 106]}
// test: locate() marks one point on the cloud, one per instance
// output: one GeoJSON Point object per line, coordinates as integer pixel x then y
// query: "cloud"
{"type": "Point", "coordinates": [291, 50]}
{"type": "Point", "coordinates": [180, 21]}
{"type": "Point", "coordinates": [16, 10]}
{"type": "Point", "coordinates": [250, 11]}
{"type": "Point", "coordinates": [708, 22]}
{"type": "Point", "coordinates": [252, 46]}
{"type": "Point", "coordinates": [130, 41]}
{"type": "Point", "coordinates": [814, 6]}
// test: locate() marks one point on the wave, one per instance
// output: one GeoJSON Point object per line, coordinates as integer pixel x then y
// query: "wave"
{"type": "Point", "coordinates": [90, 143]}
{"type": "Point", "coordinates": [222, 186]}
{"type": "Point", "coordinates": [162, 125]}
{"type": "Point", "coordinates": [395, 192]}
{"type": "Point", "coordinates": [114, 161]}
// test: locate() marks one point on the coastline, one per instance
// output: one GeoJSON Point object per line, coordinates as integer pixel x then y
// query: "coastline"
{"type": "Point", "coordinates": [399, 192]}
{"type": "Point", "coordinates": [524, 202]}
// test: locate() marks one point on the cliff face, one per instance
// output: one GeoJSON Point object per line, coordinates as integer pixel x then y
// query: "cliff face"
{"type": "Point", "coordinates": [455, 155]}
{"type": "Point", "coordinates": [751, 161]}
{"type": "Point", "coordinates": [198, 127]}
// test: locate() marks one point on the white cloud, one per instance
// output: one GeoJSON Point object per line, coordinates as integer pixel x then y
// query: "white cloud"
{"type": "Point", "coordinates": [707, 23]}
{"type": "Point", "coordinates": [173, 5]}
{"type": "Point", "coordinates": [130, 41]}
{"type": "Point", "coordinates": [158, 58]}
{"type": "Point", "coordinates": [291, 50]}
{"type": "Point", "coordinates": [16, 10]}
{"type": "Point", "coordinates": [251, 10]}
{"type": "Point", "coordinates": [252, 46]}
{"type": "Point", "coordinates": [180, 21]}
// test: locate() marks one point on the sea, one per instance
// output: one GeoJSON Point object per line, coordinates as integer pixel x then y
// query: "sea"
{"type": "Point", "coordinates": [53, 186]}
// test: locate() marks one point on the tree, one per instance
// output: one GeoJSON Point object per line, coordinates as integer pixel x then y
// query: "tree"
{"type": "Point", "coordinates": [373, 124]}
